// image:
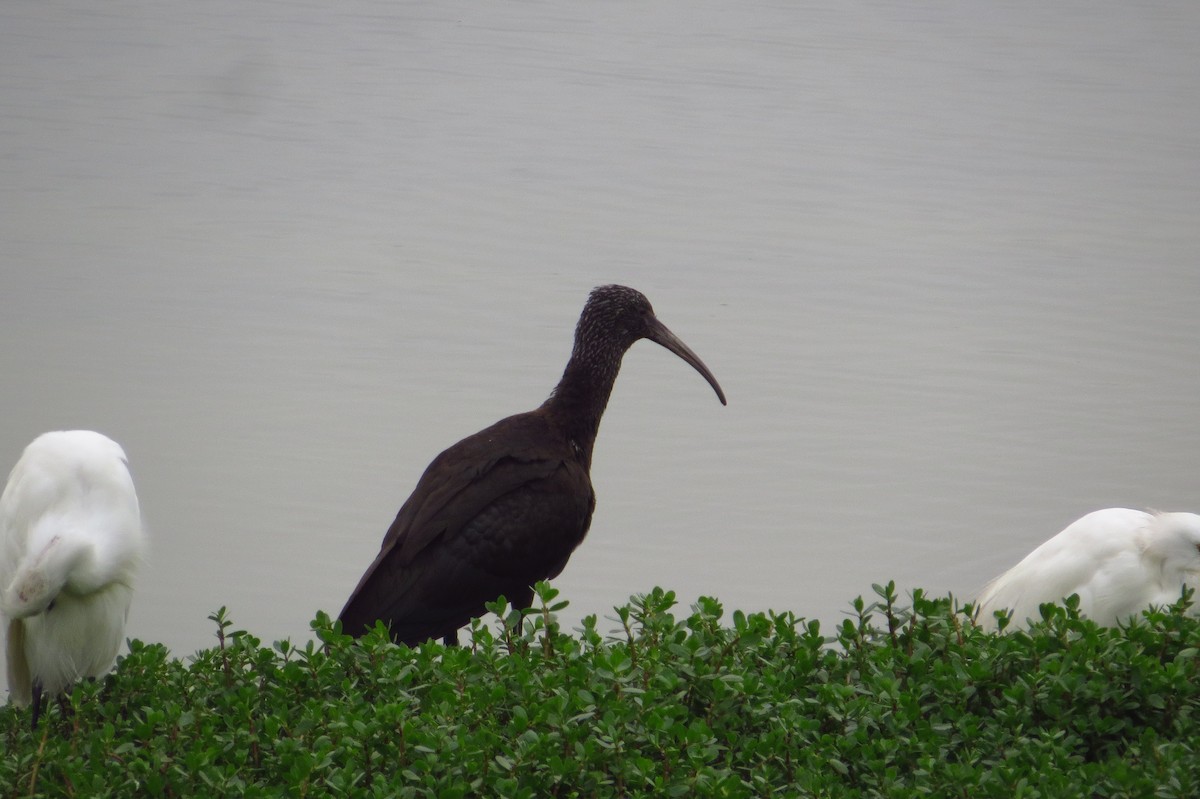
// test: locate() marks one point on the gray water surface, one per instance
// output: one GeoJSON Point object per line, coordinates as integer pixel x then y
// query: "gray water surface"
{"type": "Point", "coordinates": [943, 260]}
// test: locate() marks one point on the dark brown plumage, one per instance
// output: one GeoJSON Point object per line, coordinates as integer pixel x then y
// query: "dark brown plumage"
{"type": "Point", "coordinates": [506, 507]}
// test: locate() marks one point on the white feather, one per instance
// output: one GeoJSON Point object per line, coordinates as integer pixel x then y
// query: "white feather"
{"type": "Point", "coordinates": [71, 541]}
{"type": "Point", "coordinates": [1119, 561]}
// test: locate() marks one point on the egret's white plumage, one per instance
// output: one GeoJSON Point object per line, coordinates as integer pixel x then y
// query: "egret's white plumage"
{"type": "Point", "coordinates": [71, 540]}
{"type": "Point", "coordinates": [1119, 561]}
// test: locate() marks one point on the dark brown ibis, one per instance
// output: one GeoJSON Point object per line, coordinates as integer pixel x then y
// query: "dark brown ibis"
{"type": "Point", "coordinates": [506, 507]}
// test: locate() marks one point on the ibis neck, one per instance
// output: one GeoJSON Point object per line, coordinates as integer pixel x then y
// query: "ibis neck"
{"type": "Point", "coordinates": [578, 401]}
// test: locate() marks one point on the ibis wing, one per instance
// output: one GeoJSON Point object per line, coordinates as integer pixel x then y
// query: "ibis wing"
{"type": "Point", "coordinates": [480, 520]}
{"type": "Point", "coordinates": [522, 536]}
{"type": "Point", "coordinates": [452, 503]}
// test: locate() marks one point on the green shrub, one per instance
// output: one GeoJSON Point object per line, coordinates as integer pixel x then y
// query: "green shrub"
{"type": "Point", "coordinates": [900, 702]}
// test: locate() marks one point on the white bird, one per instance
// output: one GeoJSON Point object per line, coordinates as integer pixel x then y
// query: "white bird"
{"type": "Point", "coordinates": [1119, 561]}
{"type": "Point", "coordinates": [71, 540]}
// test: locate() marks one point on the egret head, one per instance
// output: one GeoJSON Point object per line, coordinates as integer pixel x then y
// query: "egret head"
{"type": "Point", "coordinates": [1175, 541]}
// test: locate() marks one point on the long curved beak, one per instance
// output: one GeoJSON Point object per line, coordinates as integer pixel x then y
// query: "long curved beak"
{"type": "Point", "coordinates": [657, 332]}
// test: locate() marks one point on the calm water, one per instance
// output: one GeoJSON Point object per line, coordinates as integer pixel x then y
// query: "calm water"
{"type": "Point", "coordinates": [943, 262]}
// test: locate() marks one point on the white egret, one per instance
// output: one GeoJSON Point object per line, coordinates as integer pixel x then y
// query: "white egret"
{"type": "Point", "coordinates": [71, 540]}
{"type": "Point", "coordinates": [1119, 561]}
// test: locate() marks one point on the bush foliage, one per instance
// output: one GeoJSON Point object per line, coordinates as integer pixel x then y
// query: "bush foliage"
{"type": "Point", "coordinates": [900, 702]}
